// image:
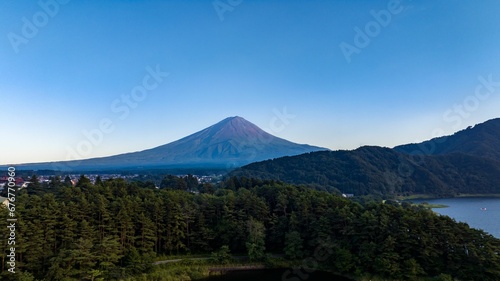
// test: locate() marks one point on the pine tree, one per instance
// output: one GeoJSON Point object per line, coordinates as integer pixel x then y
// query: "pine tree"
{"type": "Point", "coordinates": [293, 245]}
{"type": "Point", "coordinates": [68, 182]}
{"type": "Point", "coordinates": [83, 182]}
{"type": "Point", "coordinates": [108, 253]}
{"type": "Point", "coordinates": [256, 240]}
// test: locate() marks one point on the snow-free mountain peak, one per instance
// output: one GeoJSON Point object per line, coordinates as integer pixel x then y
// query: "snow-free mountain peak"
{"type": "Point", "coordinates": [231, 142]}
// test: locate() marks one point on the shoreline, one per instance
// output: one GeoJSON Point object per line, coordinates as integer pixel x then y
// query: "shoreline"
{"type": "Point", "coordinates": [429, 196]}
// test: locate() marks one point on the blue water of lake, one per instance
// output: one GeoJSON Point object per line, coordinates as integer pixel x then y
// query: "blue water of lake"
{"type": "Point", "coordinates": [478, 212]}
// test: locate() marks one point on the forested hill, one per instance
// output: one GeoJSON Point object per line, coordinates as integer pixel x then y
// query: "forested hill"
{"type": "Point", "coordinates": [382, 171]}
{"type": "Point", "coordinates": [482, 140]}
{"type": "Point", "coordinates": [114, 229]}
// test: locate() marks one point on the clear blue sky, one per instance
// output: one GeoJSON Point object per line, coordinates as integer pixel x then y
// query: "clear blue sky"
{"type": "Point", "coordinates": [65, 67]}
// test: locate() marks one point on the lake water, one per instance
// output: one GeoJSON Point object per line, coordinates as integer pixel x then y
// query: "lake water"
{"type": "Point", "coordinates": [470, 211]}
{"type": "Point", "coordinates": [275, 275]}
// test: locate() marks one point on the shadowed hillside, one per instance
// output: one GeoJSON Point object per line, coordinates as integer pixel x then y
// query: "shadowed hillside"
{"type": "Point", "coordinates": [383, 171]}
{"type": "Point", "coordinates": [482, 140]}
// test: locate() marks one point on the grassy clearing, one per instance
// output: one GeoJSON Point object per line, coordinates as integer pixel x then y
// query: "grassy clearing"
{"type": "Point", "coordinates": [174, 273]}
{"type": "Point", "coordinates": [192, 270]}
{"type": "Point", "coordinates": [183, 257]}
{"type": "Point", "coordinates": [189, 268]}
{"type": "Point", "coordinates": [429, 196]}
{"type": "Point", "coordinates": [432, 206]}
{"type": "Point", "coordinates": [416, 196]}
{"type": "Point", "coordinates": [478, 195]}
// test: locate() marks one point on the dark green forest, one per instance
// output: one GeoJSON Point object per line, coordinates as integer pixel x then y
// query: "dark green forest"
{"type": "Point", "coordinates": [115, 229]}
{"type": "Point", "coordinates": [382, 171]}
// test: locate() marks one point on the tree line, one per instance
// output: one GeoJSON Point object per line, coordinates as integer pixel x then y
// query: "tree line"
{"type": "Point", "coordinates": [114, 229]}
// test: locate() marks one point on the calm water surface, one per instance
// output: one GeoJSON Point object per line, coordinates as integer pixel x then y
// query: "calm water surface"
{"type": "Point", "coordinates": [274, 275]}
{"type": "Point", "coordinates": [471, 211]}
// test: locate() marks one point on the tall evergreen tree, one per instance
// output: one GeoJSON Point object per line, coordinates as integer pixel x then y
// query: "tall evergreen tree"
{"type": "Point", "coordinates": [256, 240]}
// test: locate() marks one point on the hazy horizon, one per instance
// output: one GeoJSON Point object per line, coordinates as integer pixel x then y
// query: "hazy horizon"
{"type": "Point", "coordinates": [333, 74]}
{"type": "Point", "coordinates": [147, 148]}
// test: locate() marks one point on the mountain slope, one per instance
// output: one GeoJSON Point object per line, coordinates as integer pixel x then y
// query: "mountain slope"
{"type": "Point", "coordinates": [466, 162]}
{"type": "Point", "coordinates": [383, 171]}
{"type": "Point", "coordinates": [232, 142]}
{"type": "Point", "coordinates": [482, 140]}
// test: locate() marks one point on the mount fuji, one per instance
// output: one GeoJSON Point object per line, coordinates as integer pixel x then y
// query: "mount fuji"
{"type": "Point", "coordinates": [232, 142]}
